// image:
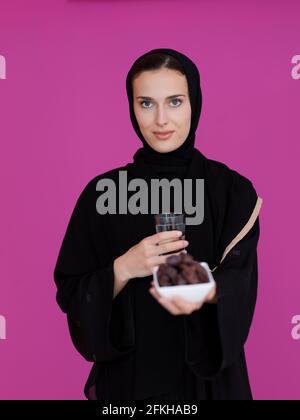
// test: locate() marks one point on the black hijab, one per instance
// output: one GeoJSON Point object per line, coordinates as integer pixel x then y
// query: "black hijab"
{"type": "Point", "coordinates": [171, 164]}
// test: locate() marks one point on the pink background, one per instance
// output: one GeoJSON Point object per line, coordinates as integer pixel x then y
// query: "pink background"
{"type": "Point", "coordinates": [64, 119]}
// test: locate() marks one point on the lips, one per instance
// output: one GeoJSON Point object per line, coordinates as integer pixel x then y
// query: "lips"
{"type": "Point", "coordinates": [163, 134]}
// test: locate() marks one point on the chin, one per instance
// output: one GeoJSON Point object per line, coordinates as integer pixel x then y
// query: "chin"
{"type": "Point", "coordinates": [165, 148]}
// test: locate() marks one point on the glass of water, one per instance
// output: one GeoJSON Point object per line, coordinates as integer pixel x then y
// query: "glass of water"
{"type": "Point", "coordinates": [170, 221]}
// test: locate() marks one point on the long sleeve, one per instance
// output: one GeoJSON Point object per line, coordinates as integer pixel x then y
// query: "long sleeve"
{"type": "Point", "coordinates": [101, 327]}
{"type": "Point", "coordinates": [215, 335]}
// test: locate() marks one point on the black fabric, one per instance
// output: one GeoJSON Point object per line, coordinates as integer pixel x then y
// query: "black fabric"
{"type": "Point", "coordinates": [140, 350]}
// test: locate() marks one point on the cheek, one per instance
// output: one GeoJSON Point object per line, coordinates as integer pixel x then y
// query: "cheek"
{"type": "Point", "coordinates": [138, 114]}
{"type": "Point", "coordinates": [184, 115]}
{"type": "Point", "coordinates": [144, 119]}
{"type": "Point", "coordinates": [188, 124]}
{"type": "Point", "coordinates": [184, 122]}
{"type": "Point", "coordinates": [187, 119]}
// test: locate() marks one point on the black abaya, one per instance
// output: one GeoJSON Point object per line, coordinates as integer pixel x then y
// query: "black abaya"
{"type": "Point", "coordinates": [139, 349]}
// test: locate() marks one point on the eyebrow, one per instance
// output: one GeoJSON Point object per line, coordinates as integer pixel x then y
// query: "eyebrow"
{"type": "Point", "coordinates": [168, 97]}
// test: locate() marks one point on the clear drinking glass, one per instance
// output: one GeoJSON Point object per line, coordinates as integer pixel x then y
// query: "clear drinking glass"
{"type": "Point", "coordinates": [170, 221]}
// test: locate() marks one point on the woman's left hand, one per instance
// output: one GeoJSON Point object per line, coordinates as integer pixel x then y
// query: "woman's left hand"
{"type": "Point", "coordinates": [179, 306]}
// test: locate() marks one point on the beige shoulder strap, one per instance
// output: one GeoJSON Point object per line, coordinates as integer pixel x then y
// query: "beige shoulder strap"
{"type": "Point", "coordinates": [245, 229]}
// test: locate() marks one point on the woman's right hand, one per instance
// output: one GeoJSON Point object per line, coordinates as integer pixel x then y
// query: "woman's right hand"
{"type": "Point", "coordinates": [140, 259]}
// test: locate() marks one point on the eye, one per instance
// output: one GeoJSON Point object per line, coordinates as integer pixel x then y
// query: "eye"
{"type": "Point", "coordinates": [143, 102]}
{"type": "Point", "coordinates": [176, 99]}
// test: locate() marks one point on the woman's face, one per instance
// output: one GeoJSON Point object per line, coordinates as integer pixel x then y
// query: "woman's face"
{"type": "Point", "coordinates": [161, 104]}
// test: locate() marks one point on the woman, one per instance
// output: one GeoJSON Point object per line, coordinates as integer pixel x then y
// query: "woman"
{"type": "Point", "coordinates": [145, 347]}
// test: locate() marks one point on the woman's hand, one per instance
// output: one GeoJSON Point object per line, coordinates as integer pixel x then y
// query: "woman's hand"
{"type": "Point", "coordinates": [179, 306]}
{"type": "Point", "coordinates": [140, 259]}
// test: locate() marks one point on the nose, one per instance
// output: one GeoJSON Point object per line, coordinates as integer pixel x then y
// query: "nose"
{"type": "Point", "coordinates": [161, 116]}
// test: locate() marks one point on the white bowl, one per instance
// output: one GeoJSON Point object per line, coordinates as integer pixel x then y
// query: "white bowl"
{"type": "Point", "coordinates": [191, 292]}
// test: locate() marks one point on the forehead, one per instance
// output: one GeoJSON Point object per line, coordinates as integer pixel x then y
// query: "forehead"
{"type": "Point", "coordinates": [160, 83]}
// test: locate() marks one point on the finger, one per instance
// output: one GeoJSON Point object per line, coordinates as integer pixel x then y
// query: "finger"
{"type": "Point", "coordinates": [185, 305]}
{"type": "Point", "coordinates": [177, 305]}
{"type": "Point", "coordinates": [173, 253]}
{"type": "Point", "coordinates": [165, 302]}
{"type": "Point", "coordinates": [161, 259]}
{"type": "Point", "coordinates": [162, 236]}
{"type": "Point", "coordinates": [168, 247]}
{"type": "Point", "coordinates": [169, 306]}
{"type": "Point", "coordinates": [211, 294]}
